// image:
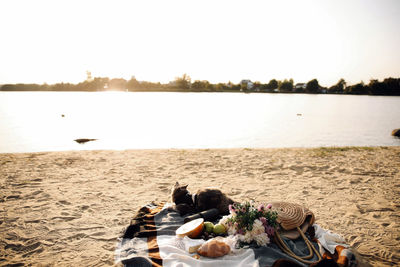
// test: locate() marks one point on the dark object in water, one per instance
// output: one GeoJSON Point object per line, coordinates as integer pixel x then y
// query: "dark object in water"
{"type": "Point", "coordinates": [396, 132]}
{"type": "Point", "coordinates": [84, 140]}
{"type": "Point", "coordinates": [208, 215]}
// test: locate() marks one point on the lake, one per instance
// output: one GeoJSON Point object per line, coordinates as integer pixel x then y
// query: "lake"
{"type": "Point", "coordinates": [51, 121]}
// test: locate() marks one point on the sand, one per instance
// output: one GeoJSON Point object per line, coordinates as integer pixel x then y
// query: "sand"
{"type": "Point", "coordinates": [69, 208]}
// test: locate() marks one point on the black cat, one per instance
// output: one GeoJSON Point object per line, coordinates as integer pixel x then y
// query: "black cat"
{"type": "Point", "coordinates": [204, 199]}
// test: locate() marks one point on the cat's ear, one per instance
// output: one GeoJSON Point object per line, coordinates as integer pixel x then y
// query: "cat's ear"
{"type": "Point", "coordinates": [177, 185]}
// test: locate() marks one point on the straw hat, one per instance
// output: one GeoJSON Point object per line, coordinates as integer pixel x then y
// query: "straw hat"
{"type": "Point", "coordinates": [290, 216]}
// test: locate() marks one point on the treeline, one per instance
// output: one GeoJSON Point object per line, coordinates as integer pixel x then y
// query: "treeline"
{"type": "Point", "coordinates": [389, 86]}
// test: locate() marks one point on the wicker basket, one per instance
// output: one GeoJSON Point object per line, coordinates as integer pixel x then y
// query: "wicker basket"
{"type": "Point", "coordinates": [294, 221]}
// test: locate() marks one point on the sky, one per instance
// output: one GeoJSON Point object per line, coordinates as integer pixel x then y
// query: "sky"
{"type": "Point", "coordinates": [49, 41]}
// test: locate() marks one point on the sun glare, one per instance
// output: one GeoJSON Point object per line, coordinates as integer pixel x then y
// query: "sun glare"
{"type": "Point", "coordinates": [216, 41]}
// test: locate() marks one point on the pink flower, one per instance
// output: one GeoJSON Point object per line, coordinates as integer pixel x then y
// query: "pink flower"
{"type": "Point", "coordinates": [269, 206]}
{"type": "Point", "coordinates": [269, 230]}
{"type": "Point", "coordinates": [263, 220]}
{"type": "Point", "coordinates": [231, 208]}
{"type": "Point", "coordinates": [261, 207]}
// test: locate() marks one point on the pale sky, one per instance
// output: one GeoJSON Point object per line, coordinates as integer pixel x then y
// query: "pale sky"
{"type": "Point", "coordinates": [219, 41]}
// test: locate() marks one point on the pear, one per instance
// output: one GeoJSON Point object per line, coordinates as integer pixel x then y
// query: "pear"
{"type": "Point", "coordinates": [219, 229]}
{"type": "Point", "coordinates": [208, 227]}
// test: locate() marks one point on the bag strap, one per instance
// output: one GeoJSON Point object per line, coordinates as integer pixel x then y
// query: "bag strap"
{"type": "Point", "coordinates": [305, 259]}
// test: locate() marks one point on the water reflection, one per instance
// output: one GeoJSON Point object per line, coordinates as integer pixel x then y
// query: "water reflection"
{"type": "Point", "coordinates": [33, 121]}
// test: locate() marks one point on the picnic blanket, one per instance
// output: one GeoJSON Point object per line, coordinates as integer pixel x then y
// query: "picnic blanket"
{"type": "Point", "coordinates": [150, 240]}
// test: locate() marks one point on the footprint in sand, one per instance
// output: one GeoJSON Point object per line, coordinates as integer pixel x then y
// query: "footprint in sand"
{"type": "Point", "coordinates": [26, 249]}
{"type": "Point", "coordinates": [235, 192]}
{"type": "Point", "coordinates": [37, 192]}
{"type": "Point", "coordinates": [98, 234]}
{"type": "Point", "coordinates": [83, 207]}
{"type": "Point", "coordinates": [356, 181]}
{"type": "Point", "coordinates": [250, 191]}
{"type": "Point", "coordinates": [164, 188]}
{"type": "Point", "coordinates": [13, 197]}
{"type": "Point", "coordinates": [44, 197]}
{"type": "Point", "coordinates": [33, 221]}
{"type": "Point", "coordinates": [78, 236]}
{"type": "Point", "coordinates": [298, 169]}
{"type": "Point", "coordinates": [64, 218]}
{"type": "Point", "coordinates": [63, 202]}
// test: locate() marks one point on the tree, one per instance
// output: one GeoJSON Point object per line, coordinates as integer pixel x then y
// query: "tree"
{"type": "Point", "coordinates": [392, 86]}
{"type": "Point", "coordinates": [338, 88]}
{"type": "Point", "coordinates": [220, 87]}
{"type": "Point", "coordinates": [99, 83]}
{"type": "Point", "coordinates": [117, 84]}
{"type": "Point", "coordinates": [273, 84]}
{"type": "Point", "coordinates": [342, 83]}
{"type": "Point", "coordinates": [8, 87]}
{"type": "Point", "coordinates": [202, 86]}
{"type": "Point", "coordinates": [235, 87]}
{"type": "Point", "coordinates": [133, 84]}
{"type": "Point", "coordinates": [286, 86]}
{"type": "Point", "coordinates": [376, 87]}
{"type": "Point", "coordinates": [183, 82]}
{"type": "Point", "coordinates": [357, 89]}
{"type": "Point", "coordinates": [312, 86]}
{"type": "Point", "coordinates": [63, 87]}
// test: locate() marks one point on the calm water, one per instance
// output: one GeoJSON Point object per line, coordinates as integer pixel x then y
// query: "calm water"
{"type": "Point", "coordinates": [33, 121]}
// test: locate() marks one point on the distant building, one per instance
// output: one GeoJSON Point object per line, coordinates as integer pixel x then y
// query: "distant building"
{"type": "Point", "coordinates": [299, 87]}
{"type": "Point", "coordinates": [247, 84]}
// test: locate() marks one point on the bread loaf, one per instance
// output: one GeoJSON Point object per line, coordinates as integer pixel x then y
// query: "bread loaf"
{"type": "Point", "coordinates": [214, 249]}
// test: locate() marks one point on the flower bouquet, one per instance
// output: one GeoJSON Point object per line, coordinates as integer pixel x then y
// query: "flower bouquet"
{"type": "Point", "coordinates": [250, 223]}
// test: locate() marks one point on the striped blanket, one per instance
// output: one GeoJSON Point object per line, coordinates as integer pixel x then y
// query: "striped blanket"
{"type": "Point", "coordinates": [150, 241]}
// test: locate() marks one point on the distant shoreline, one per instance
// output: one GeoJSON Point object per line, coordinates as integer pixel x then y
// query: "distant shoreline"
{"type": "Point", "coordinates": [387, 87]}
{"type": "Point", "coordinates": [185, 91]}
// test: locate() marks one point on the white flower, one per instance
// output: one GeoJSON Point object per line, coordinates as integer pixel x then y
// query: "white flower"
{"type": "Point", "coordinates": [258, 228]}
{"type": "Point", "coordinates": [224, 220]}
{"type": "Point", "coordinates": [247, 237]}
{"type": "Point", "coordinates": [262, 239]}
{"type": "Point", "coordinates": [231, 231]}
{"type": "Point", "coordinates": [229, 226]}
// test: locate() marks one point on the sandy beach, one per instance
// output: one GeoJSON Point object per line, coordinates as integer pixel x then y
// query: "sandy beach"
{"type": "Point", "coordinates": [69, 208]}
